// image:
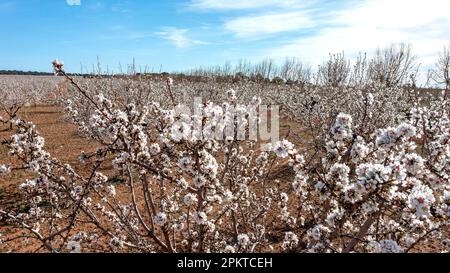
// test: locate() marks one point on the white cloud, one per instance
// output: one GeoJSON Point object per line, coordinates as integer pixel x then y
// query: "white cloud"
{"type": "Point", "coordinates": [240, 4]}
{"type": "Point", "coordinates": [375, 23]}
{"type": "Point", "coordinates": [73, 2]}
{"type": "Point", "coordinates": [260, 25]}
{"type": "Point", "coordinates": [317, 28]}
{"type": "Point", "coordinates": [178, 37]}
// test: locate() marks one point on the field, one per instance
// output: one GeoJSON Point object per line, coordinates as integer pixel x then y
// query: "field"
{"type": "Point", "coordinates": [345, 160]}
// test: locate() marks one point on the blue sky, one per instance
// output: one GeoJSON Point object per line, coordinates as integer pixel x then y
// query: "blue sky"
{"type": "Point", "coordinates": [180, 34]}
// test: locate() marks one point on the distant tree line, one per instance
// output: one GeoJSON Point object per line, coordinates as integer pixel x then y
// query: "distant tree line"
{"type": "Point", "coordinates": [19, 72]}
{"type": "Point", "coordinates": [36, 73]}
{"type": "Point", "coordinates": [393, 65]}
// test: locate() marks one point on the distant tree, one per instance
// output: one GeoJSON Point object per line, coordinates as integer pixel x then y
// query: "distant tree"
{"type": "Point", "coordinates": [393, 65]}
{"type": "Point", "coordinates": [335, 71]}
{"type": "Point", "coordinates": [441, 72]}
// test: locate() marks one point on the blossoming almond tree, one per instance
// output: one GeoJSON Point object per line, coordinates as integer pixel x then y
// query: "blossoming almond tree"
{"type": "Point", "coordinates": [357, 189]}
{"type": "Point", "coordinates": [16, 93]}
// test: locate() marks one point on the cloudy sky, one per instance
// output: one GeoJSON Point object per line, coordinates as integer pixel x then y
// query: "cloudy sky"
{"type": "Point", "coordinates": [180, 34]}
